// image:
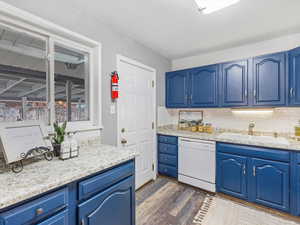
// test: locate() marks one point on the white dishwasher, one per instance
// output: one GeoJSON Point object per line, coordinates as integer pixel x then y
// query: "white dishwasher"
{"type": "Point", "coordinates": [197, 163]}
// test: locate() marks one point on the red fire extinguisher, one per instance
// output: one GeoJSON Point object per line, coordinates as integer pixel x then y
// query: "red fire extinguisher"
{"type": "Point", "coordinates": [114, 85]}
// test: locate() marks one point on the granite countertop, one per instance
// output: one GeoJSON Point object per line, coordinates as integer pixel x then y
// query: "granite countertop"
{"type": "Point", "coordinates": [42, 176]}
{"type": "Point", "coordinates": [173, 131]}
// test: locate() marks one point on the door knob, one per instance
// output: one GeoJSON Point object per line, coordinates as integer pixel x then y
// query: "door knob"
{"type": "Point", "coordinates": [124, 141]}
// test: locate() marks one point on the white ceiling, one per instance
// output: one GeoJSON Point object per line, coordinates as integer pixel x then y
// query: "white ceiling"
{"type": "Point", "coordinates": [175, 28]}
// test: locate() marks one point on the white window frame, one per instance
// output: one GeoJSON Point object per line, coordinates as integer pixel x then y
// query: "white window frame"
{"type": "Point", "coordinates": [55, 34]}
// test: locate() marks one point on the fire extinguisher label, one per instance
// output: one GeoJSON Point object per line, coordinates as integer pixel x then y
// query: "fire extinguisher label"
{"type": "Point", "coordinates": [115, 88]}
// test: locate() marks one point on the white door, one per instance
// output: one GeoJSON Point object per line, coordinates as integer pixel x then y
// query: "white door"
{"type": "Point", "coordinates": [136, 108]}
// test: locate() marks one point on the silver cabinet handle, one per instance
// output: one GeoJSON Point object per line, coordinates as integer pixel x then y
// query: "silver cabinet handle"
{"type": "Point", "coordinates": [244, 169]}
{"type": "Point", "coordinates": [292, 92]}
{"type": "Point", "coordinates": [246, 93]}
{"type": "Point", "coordinates": [82, 222]}
{"type": "Point", "coordinates": [254, 171]}
{"type": "Point", "coordinates": [254, 93]}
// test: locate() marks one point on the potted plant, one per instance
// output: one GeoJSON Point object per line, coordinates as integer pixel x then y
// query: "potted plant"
{"type": "Point", "coordinates": [59, 135]}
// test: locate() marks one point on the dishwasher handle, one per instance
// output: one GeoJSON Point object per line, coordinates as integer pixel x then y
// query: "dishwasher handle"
{"type": "Point", "coordinates": [196, 141]}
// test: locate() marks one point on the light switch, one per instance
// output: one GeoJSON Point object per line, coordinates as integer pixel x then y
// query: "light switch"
{"type": "Point", "coordinates": [112, 108]}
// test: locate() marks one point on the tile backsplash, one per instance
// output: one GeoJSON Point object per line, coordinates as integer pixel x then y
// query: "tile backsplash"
{"type": "Point", "coordinates": [282, 120]}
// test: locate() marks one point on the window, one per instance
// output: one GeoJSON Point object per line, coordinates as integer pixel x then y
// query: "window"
{"type": "Point", "coordinates": [27, 86]}
{"type": "Point", "coordinates": [71, 84]}
{"type": "Point", "coordinates": [23, 76]}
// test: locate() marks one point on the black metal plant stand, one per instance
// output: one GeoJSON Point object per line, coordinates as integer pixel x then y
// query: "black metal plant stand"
{"type": "Point", "coordinates": [17, 167]}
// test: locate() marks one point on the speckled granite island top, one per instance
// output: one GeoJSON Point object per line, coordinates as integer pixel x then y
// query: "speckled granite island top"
{"type": "Point", "coordinates": [173, 131]}
{"type": "Point", "coordinates": [42, 176]}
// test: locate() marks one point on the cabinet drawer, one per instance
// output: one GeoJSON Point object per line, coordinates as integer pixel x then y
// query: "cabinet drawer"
{"type": "Point", "coordinates": [59, 219]}
{"type": "Point", "coordinates": [168, 170]}
{"type": "Point", "coordinates": [36, 209]}
{"type": "Point", "coordinates": [298, 158]}
{"type": "Point", "coordinates": [167, 139]}
{"type": "Point", "coordinates": [102, 181]}
{"type": "Point", "coordinates": [168, 159]}
{"type": "Point", "coordinates": [167, 149]}
{"type": "Point", "coordinates": [257, 152]}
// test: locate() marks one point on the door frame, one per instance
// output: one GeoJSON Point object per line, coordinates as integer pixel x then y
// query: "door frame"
{"type": "Point", "coordinates": [121, 58]}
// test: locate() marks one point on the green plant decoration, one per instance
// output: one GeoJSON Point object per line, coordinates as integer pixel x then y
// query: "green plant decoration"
{"type": "Point", "coordinates": [60, 132]}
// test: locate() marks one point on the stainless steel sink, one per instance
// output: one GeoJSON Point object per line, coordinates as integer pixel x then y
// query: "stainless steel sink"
{"type": "Point", "coordinates": [260, 139]}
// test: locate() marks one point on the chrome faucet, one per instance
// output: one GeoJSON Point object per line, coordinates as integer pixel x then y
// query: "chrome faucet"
{"type": "Point", "coordinates": [250, 128]}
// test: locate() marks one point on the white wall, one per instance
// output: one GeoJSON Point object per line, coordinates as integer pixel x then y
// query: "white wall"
{"type": "Point", "coordinates": [66, 14]}
{"type": "Point", "coordinates": [282, 120]}
{"type": "Point", "coordinates": [245, 51]}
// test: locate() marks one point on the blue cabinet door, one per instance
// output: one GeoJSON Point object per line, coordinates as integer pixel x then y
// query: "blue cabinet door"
{"type": "Point", "coordinates": [177, 89]}
{"type": "Point", "coordinates": [270, 183]}
{"type": "Point", "coordinates": [232, 174]}
{"type": "Point", "coordinates": [204, 86]}
{"type": "Point", "coordinates": [234, 84]}
{"type": "Point", "coordinates": [269, 80]}
{"type": "Point", "coordinates": [294, 77]}
{"type": "Point", "coordinates": [114, 206]}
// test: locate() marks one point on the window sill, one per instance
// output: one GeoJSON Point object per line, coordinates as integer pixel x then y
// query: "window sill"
{"type": "Point", "coordinates": [78, 127]}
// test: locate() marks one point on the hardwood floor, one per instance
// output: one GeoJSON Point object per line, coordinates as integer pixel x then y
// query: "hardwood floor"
{"type": "Point", "coordinates": [167, 202]}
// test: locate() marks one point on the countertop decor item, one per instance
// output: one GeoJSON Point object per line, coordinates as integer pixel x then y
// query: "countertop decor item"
{"type": "Point", "coordinates": [297, 131]}
{"type": "Point", "coordinates": [59, 136]}
{"type": "Point", "coordinates": [23, 140]}
{"type": "Point", "coordinates": [74, 146]}
{"type": "Point", "coordinates": [189, 119]}
{"type": "Point", "coordinates": [65, 148]}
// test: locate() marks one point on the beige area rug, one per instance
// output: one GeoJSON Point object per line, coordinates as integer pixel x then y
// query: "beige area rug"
{"type": "Point", "coordinates": [218, 211]}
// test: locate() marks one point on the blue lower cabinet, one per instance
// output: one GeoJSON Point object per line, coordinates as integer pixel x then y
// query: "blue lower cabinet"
{"type": "Point", "coordinates": [271, 183]}
{"type": "Point", "coordinates": [231, 175]}
{"type": "Point", "coordinates": [106, 198]}
{"type": "Point", "coordinates": [167, 155]}
{"type": "Point", "coordinates": [115, 206]}
{"type": "Point", "coordinates": [259, 175]}
{"type": "Point", "coordinates": [36, 210]}
{"type": "Point", "coordinates": [295, 184]}
{"type": "Point", "coordinates": [59, 219]}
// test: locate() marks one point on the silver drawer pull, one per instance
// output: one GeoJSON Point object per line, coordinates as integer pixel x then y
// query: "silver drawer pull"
{"type": "Point", "coordinates": [39, 211]}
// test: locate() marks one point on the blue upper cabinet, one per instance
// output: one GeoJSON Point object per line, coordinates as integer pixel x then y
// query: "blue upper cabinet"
{"type": "Point", "coordinates": [177, 89]}
{"type": "Point", "coordinates": [294, 70]}
{"type": "Point", "coordinates": [234, 84]}
{"type": "Point", "coordinates": [204, 87]}
{"type": "Point", "coordinates": [269, 76]}
{"type": "Point", "coordinates": [257, 82]}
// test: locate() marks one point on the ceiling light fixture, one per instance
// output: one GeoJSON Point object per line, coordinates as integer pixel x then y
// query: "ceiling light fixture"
{"type": "Point", "coordinates": [209, 6]}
